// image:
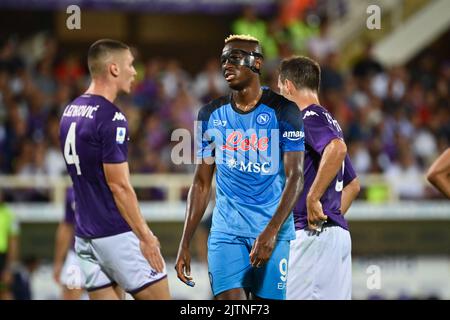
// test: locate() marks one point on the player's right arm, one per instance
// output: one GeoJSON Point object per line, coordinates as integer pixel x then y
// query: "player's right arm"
{"type": "Point", "coordinates": [323, 134]}
{"type": "Point", "coordinates": [197, 201]}
{"type": "Point", "coordinates": [118, 178]}
{"type": "Point", "coordinates": [332, 158]}
{"type": "Point", "coordinates": [439, 173]}
{"type": "Point", "coordinates": [63, 240]}
{"type": "Point", "coordinates": [199, 192]}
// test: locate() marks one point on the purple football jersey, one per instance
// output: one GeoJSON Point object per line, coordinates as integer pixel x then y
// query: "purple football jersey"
{"type": "Point", "coordinates": [320, 129]}
{"type": "Point", "coordinates": [93, 131]}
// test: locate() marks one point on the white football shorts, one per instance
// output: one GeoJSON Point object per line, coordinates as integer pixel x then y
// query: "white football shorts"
{"type": "Point", "coordinates": [320, 265]}
{"type": "Point", "coordinates": [115, 260]}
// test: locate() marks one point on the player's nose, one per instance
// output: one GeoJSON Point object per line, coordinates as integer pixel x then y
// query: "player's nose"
{"type": "Point", "coordinates": [228, 69]}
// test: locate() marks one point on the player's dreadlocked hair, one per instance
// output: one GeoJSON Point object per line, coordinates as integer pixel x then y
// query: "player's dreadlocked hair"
{"type": "Point", "coordinates": [246, 38]}
{"type": "Point", "coordinates": [241, 37]}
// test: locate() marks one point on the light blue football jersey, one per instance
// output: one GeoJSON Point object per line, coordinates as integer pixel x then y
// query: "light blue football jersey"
{"type": "Point", "coordinates": [247, 148]}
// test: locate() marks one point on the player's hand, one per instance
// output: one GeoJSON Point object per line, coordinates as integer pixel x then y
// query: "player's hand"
{"type": "Point", "coordinates": [316, 217]}
{"type": "Point", "coordinates": [57, 268]}
{"type": "Point", "coordinates": [183, 266]}
{"type": "Point", "coordinates": [263, 247]}
{"type": "Point", "coordinates": [151, 250]}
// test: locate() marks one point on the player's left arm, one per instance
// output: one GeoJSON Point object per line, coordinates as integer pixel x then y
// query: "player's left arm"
{"type": "Point", "coordinates": [439, 173]}
{"type": "Point", "coordinates": [113, 138]}
{"type": "Point", "coordinates": [349, 193]}
{"type": "Point", "coordinates": [293, 155]}
{"type": "Point", "coordinates": [351, 185]}
{"type": "Point", "coordinates": [264, 244]}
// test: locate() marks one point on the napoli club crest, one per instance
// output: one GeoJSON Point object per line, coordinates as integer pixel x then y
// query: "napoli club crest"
{"type": "Point", "coordinates": [263, 118]}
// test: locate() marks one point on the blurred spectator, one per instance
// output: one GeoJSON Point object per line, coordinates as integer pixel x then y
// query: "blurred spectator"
{"type": "Point", "coordinates": [173, 78]}
{"type": "Point", "coordinates": [300, 22]}
{"type": "Point", "coordinates": [405, 177]}
{"type": "Point", "coordinates": [367, 65]}
{"type": "Point", "coordinates": [322, 45]}
{"type": "Point", "coordinates": [54, 164]}
{"type": "Point", "coordinates": [9, 230]}
{"type": "Point", "coordinates": [332, 79]}
{"type": "Point", "coordinates": [269, 33]}
{"type": "Point", "coordinates": [292, 10]}
{"type": "Point", "coordinates": [21, 286]}
{"type": "Point", "coordinates": [210, 83]}
{"type": "Point", "coordinates": [249, 23]}
{"type": "Point", "coordinates": [10, 60]}
{"type": "Point", "coordinates": [70, 70]}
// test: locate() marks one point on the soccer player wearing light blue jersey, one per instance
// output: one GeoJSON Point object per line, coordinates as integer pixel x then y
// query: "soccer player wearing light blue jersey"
{"type": "Point", "coordinates": [254, 140]}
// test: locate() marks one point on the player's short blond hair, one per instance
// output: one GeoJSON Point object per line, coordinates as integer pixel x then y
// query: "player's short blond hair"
{"type": "Point", "coordinates": [241, 37]}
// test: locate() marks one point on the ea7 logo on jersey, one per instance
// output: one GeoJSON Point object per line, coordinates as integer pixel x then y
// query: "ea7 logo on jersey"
{"type": "Point", "coordinates": [293, 135]}
{"type": "Point", "coordinates": [118, 116]}
{"type": "Point", "coordinates": [121, 132]}
{"type": "Point", "coordinates": [219, 123]}
{"type": "Point", "coordinates": [310, 113]}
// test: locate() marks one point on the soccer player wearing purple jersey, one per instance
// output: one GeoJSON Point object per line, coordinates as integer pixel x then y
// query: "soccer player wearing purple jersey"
{"type": "Point", "coordinates": [113, 241]}
{"type": "Point", "coordinates": [320, 257]}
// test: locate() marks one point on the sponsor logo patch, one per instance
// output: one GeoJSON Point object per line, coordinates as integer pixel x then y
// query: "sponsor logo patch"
{"type": "Point", "coordinates": [293, 135]}
{"type": "Point", "coordinates": [121, 134]}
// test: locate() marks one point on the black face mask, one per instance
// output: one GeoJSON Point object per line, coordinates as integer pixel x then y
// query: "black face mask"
{"type": "Point", "coordinates": [240, 57]}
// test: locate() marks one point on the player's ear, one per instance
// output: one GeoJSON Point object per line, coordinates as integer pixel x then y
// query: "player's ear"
{"type": "Point", "coordinates": [289, 86]}
{"type": "Point", "coordinates": [114, 69]}
{"type": "Point", "coordinates": [258, 63]}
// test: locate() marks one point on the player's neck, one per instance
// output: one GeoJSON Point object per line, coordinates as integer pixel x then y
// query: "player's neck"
{"type": "Point", "coordinates": [103, 89]}
{"type": "Point", "coordinates": [304, 99]}
{"type": "Point", "coordinates": [247, 98]}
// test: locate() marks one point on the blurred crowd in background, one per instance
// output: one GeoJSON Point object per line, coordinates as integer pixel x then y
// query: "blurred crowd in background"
{"type": "Point", "coordinates": [396, 120]}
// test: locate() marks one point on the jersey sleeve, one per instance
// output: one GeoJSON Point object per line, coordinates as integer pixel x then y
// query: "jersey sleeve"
{"type": "Point", "coordinates": [320, 130]}
{"type": "Point", "coordinates": [292, 135]}
{"type": "Point", "coordinates": [69, 212]}
{"type": "Point", "coordinates": [114, 136]}
{"type": "Point", "coordinates": [205, 143]}
{"type": "Point", "coordinates": [349, 172]}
